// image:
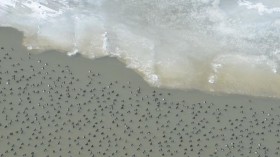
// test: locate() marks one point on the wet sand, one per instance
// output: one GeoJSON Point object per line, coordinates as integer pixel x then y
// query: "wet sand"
{"type": "Point", "coordinates": [55, 105]}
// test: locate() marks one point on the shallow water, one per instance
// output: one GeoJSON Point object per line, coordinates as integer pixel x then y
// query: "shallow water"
{"type": "Point", "coordinates": [210, 45]}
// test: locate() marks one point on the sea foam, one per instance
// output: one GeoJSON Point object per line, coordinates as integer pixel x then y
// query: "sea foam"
{"type": "Point", "coordinates": [211, 45]}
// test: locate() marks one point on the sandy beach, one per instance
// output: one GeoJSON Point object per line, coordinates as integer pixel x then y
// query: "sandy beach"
{"type": "Point", "coordinates": [55, 105]}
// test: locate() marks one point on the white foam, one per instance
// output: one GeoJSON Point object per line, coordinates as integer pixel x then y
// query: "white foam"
{"type": "Point", "coordinates": [260, 7]}
{"type": "Point", "coordinates": [214, 45]}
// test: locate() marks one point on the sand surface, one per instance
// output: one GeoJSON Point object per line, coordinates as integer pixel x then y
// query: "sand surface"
{"type": "Point", "coordinates": [55, 105]}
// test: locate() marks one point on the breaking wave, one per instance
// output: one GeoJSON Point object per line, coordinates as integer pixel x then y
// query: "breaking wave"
{"type": "Point", "coordinates": [210, 45]}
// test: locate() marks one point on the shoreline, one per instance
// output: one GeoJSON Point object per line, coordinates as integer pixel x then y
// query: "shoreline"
{"type": "Point", "coordinates": [179, 49]}
{"type": "Point", "coordinates": [102, 108]}
{"type": "Point", "coordinates": [122, 62]}
{"type": "Point", "coordinates": [216, 91]}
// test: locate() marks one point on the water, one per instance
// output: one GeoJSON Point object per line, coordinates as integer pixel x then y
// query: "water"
{"type": "Point", "coordinates": [210, 45]}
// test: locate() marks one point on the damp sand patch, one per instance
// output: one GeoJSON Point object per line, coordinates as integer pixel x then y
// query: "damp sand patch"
{"type": "Point", "coordinates": [55, 105]}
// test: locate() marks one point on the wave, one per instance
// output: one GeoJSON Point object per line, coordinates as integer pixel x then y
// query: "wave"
{"type": "Point", "coordinates": [210, 45]}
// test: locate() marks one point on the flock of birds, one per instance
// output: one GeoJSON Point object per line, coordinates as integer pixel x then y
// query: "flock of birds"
{"type": "Point", "coordinates": [48, 109]}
